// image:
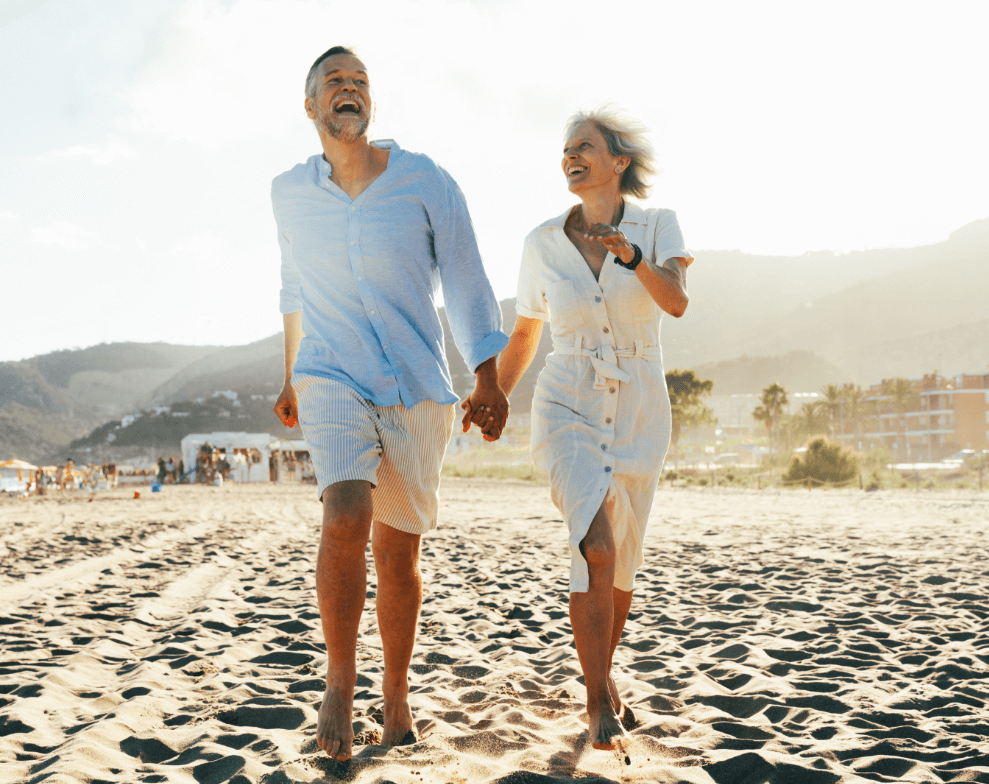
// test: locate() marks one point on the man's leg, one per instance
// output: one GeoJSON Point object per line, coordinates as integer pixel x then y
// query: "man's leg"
{"type": "Point", "coordinates": [399, 597]}
{"type": "Point", "coordinates": [592, 618]}
{"type": "Point", "coordinates": [341, 587]}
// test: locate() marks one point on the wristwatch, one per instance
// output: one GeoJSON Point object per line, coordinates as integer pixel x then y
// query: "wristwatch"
{"type": "Point", "coordinates": [631, 265]}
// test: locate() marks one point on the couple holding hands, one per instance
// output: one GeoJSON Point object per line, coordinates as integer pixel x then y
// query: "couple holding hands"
{"type": "Point", "coordinates": [368, 232]}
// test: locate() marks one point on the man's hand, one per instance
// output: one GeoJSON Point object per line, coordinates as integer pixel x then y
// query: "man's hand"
{"type": "Point", "coordinates": [287, 406]}
{"type": "Point", "coordinates": [487, 405]}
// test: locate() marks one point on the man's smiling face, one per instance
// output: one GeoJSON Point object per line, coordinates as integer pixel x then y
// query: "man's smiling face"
{"type": "Point", "coordinates": [343, 104]}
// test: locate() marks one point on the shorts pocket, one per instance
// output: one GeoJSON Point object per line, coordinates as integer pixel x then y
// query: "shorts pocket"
{"type": "Point", "coordinates": [564, 309]}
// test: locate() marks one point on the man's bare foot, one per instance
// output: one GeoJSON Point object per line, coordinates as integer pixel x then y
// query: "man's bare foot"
{"type": "Point", "coordinates": [335, 722]}
{"type": "Point", "coordinates": [605, 729]}
{"type": "Point", "coordinates": [398, 723]}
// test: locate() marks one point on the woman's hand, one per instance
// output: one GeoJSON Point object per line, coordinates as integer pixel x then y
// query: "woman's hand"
{"type": "Point", "coordinates": [612, 239]}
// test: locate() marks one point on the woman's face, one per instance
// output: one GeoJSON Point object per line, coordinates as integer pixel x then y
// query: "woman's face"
{"type": "Point", "coordinates": [587, 164]}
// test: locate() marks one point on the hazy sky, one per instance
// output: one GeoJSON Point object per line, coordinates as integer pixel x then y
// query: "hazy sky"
{"type": "Point", "coordinates": [139, 139]}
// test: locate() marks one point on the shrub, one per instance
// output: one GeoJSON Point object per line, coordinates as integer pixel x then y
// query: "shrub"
{"type": "Point", "coordinates": [823, 462]}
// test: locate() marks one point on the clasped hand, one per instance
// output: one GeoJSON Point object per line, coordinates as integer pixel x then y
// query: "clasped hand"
{"type": "Point", "coordinates": [486, 407]}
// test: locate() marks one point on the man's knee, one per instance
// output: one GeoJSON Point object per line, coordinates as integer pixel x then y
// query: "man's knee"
{"type": "Point", "coordinates": [347, 513]}
{"type": "Point", "coordinates": [396, 553]}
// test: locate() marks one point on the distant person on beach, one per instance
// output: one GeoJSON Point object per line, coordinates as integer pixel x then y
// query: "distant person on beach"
{"type": "Point", "coordinates": [601, 273]}
{"type": "Point", "coordinates": [368, 233]}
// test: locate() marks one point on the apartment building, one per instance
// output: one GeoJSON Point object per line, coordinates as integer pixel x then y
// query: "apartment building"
{"type": "Point", "coordinates": [933, 418]}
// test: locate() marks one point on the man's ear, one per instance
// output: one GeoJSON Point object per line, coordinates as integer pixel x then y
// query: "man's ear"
{"type": "Point", "coordinates": [310, 105]}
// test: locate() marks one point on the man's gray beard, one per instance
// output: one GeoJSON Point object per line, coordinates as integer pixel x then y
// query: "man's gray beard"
{"type": "Point", "coordinates": [345, 131]}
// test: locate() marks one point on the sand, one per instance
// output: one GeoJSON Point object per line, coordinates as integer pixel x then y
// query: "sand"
{"type": "Point", "coordinates": [793, 637]}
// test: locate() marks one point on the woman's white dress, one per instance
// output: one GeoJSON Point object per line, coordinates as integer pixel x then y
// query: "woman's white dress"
{"type": "Point", "coordinates": [601, 412]}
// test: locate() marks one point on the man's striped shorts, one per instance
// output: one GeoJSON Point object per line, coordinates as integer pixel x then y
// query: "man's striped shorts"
{"type": "Point", "coordinates": [397, 449]}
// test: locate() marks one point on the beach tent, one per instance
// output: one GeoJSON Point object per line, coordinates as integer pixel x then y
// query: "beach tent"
{"type": "Point", "coordinates": [291, 459]}
{"type": "Point", "coordinates": [16, 476]}
{"type": "Point", "coordinates": [228, 442]}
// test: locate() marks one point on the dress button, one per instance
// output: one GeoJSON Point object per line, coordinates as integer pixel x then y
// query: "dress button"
{"type": "Point", "coordinates": [597, 299]}
{"type": "Point", "coordinates": [612, 390]}
{"type": "Point", "coordinates": [607, 469]}
{"type": "Point", "coordinates": [604, 447]}
{"type": "Point", "coordinates": [606, 330]}
{"type": "Point", "coordinates": [608, 421]}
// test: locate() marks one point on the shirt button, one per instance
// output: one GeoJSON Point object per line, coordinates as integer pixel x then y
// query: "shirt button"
{"type": "Point", "coordinates": [606, 330]}
{"type": "Point", "coordinates": [612, 390]}
{"type": "Point", "coordinates": [608, 421]}
{"type": "Point", "coordinates": [360, 278]}
{"type": "Point", "coordinates": [607, 469]}
{"type": "Point", "coordinates": [371, 312]}
{"type": "Point", "coordinates": [597, 299]}
{"type": "Point", "coordinates": [353, 242]}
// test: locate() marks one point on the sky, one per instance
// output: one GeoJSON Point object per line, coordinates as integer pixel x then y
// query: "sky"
{"type": "Point", "coordinates": [139, 139]}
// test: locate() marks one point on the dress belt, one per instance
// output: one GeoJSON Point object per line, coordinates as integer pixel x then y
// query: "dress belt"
{"type": "Point", "coordinates": [604, 359]}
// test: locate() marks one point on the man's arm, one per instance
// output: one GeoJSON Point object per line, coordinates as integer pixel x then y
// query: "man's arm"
{"type": "Point", "coordinates": [287, 405]}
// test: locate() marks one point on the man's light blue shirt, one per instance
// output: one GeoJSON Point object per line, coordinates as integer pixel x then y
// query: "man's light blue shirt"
{"type": "Point", "coordinates": [365, 274]}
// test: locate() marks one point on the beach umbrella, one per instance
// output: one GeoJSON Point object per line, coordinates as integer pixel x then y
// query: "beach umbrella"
{"type": "Point", "coordinates": [18, 464]}
{"type": "Point", "coordinates": [281, 445]}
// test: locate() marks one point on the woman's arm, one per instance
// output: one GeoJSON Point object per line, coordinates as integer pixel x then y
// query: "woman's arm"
{"type": "Point", "coordinates": [667, 285]}
{"type": "Point", "coordinates": [519, 352]}
{"type": "Point", "coordinates": [512, 364]}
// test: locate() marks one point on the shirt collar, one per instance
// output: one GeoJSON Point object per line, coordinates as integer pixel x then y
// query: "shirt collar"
{"type": "Point", "coordinates": [324, 169]}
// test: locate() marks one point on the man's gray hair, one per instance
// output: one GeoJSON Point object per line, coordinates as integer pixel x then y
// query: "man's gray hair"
{"type": "Point", "coordinates": [625, 136]}
{"type": "Point", "coordinates": [313, 76]}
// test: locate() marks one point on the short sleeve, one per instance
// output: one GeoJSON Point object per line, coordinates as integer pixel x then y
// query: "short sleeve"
{"type": "Point", "coordinates": [669, 242]}
{"type": "Point", "coordinates": [531, 301]}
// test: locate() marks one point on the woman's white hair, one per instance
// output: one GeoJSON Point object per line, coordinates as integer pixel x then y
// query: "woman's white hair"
{"type": "Point", "coordinates": [625, 136]}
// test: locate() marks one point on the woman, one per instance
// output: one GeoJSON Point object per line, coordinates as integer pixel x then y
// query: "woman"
{"type": "Point", "coordinates": [601, 274]}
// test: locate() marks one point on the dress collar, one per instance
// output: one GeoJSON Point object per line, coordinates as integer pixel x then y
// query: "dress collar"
{"type": "Point", "coordinates": [633, 214]}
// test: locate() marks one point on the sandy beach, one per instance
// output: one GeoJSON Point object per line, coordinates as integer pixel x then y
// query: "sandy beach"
{"type": "Point", "coordinates": [794, 637]}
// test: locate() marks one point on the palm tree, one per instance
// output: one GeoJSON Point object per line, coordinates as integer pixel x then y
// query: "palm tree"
{"type": "Point", "coordinates": [832, 396]}
{"type": "Point", "coordinates": [853, 407]}
{"type": "Point", "coordinates": [903, 397]}
{"type": "Point", "coordinates": [813, 419]}
{"type": "Point", "coordinates": [773, 402]}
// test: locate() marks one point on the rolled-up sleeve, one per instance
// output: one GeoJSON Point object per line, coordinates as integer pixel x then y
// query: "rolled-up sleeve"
{"type": "Point", "coordinates": [290, 296]}
{"type": "Point", "coordinates": [669, 239]}
{"type": "Point", "coordinates": [471, 306]}
{"type": "Point", "coordinates": [531, 302]}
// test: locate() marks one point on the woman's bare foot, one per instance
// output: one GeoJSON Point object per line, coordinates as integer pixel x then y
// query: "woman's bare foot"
{"type": "Point", "coordinates": [616, 700]}
{"type": "Point", "coordinates": [605, 729]}
{"type": "Point", "coordinates": [398, 722]}
{"type": "Point", "coordinates": [335, 722]}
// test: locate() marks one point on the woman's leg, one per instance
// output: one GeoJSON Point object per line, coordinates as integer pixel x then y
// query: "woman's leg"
{"type": "Point", "coordinates": [592, 618]}
{"type": "Point", "coordinates": [622, 603]}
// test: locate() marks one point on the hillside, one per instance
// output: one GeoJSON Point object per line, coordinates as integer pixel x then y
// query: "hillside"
{"type": "Point", "coordinates": [805, 321]}
{"type": "Point", "coordinates": [842, 307]}
{"type": "Point", "coordinates": [797, 371]}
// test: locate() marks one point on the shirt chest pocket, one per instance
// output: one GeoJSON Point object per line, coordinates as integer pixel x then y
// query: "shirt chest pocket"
{"type": "Point", "coordinates": [564, 308]}
{"type": "Point", "coordinates": [634, 305]}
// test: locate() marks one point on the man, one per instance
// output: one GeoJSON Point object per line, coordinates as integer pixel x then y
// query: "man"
{"type": "Point", "coordinates": [368, 232]}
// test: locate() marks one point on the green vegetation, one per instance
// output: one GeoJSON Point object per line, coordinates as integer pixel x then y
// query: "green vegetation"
{"type": "Point", "coordinates": [823, 463]}
{"type": "Point", "coordinates": [773, 402]}
{"type": "Point", "coordinates": [687, 392]}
